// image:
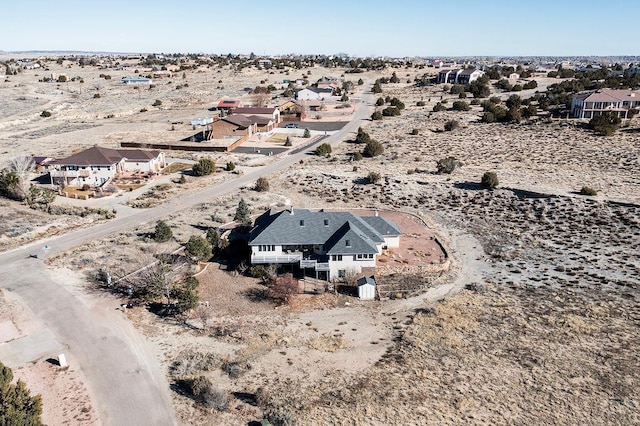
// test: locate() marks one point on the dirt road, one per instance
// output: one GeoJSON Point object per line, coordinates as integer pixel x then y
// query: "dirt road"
{"type": "Point", "coordinates": [124, 378]}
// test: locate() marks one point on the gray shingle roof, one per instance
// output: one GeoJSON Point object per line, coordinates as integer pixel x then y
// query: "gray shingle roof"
{"type": "Point", "coordinates": [332, 229]}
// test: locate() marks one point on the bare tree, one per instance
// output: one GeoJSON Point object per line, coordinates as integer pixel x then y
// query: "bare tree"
{"type": "Point", "coordinates": [203, 314]}
{"type": "Point", "coordinates": [351, 276]}
{"type": "Point", "coordinates": [23, 167]}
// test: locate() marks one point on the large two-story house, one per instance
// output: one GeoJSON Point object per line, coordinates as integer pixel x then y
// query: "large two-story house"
{"type": "Point", "coordinates": [594, 103]}
{"type": "Point", "coordinates": [327, 244]}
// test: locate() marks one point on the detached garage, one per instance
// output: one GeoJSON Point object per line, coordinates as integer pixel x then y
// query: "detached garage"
{"type": "Point", "coordinates": [366, 288]}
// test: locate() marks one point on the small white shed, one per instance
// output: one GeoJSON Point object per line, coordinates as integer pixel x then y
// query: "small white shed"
{"type": "Point", "coordinates": [366, 288]}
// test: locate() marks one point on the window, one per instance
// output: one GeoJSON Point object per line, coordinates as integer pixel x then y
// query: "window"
{"type": "Point", "coordinates": [371, 256]}
{"type": "Point", "coordinates": [347, 243]}
{"type": "Point", "coordinates": [336, 257]}
{"type": "Point", "coordinates": [302, 223]}
{"type": "Point", "coordinates": [342, 273]}
{"type": "Point", "coordinates": [326, 222]}
{"type": "Point", "coordinates": [360, 256]}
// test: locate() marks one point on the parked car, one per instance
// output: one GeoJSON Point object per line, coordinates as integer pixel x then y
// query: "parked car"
{"type": "Point", "coordinates": [291, 125]}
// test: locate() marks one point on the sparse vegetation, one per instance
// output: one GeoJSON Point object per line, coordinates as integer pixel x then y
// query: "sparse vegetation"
{"type": "Point", "coordinates": [489, 180]}
{"type": "Point", "coordinates": [262, 184]}
{"type": "Point", "coordinates": [163, 232]}
{"type": "Point", "coordinates": [373, 148]}
{"type": "Point", "coordinates": [605, 124]}
{"type": "Point", "coordinates": [447, 165]}
{"type": "Point", "coordinates": [323, 150]}
{"type": "Point", "coordinates": [204, 167]}
{"type": "Point", "coordinates": [451, 125]}
{"type": "Point", "coordinates": [587, 190]}
{"type": "Point", "coordinates": [374, 177]}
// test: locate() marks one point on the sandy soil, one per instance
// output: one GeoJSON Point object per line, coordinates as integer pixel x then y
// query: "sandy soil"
{"type": "Point", "coordinates": [65, 397]}
{"type": "Point", "coordinates": [546, 332]}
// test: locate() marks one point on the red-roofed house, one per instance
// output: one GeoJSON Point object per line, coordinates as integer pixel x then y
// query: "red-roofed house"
{"type": "Point", "coordinates": [591, 104]}
{"type": "Point", "coordinates": [97, 165]}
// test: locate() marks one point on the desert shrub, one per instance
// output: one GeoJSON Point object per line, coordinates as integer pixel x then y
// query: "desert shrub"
{"type": "Point", "coordinates": [414, 132]}
{"type": "Point", "coordinates": [489, 180]}
{"type": "Point", "coordinates": [460, 106]}
{"type": "Point", "coordinates": [357, 157]}
{"type": "Point", "coordinates": [45, 113]}
{"type": "Point", "coordinates": [394, 78]}
{"type": "Point", "coordinates": [362, 136]}
{"type": "Point", "coordinates": [451, 125]}
{"type": "Point", "coordinates": [632, 112]}
{"type": "Point", "coordinates": [376, 87]}
{"type": "Point", "coordinates": [377, 115]}
{"type": "Point", "coordinates": [456, 89]}
{"type": "Point", "coordinates": [421, 103]}
{"type": "Point", "coordinates": [163, 232]}
{"type": "Point", "coordinates": [397, 103]}
{"type": "Point", "coordinates": [379, 101]}
{"type": "Point", "coordinates": [530, 85]}
{"type": "Point", "coordinates": [96, 95]}
{"type": "Point", "coordinates": [514, 101]}
{"type": "Point", "coordinates": [262, 184]}
{"type": "Point", "coordinates": [475, 102]}
{"type": "Point", "coordinates": [231, 166]}
{"type": "Point", "coordinates": [282, 288]}
{"type": "Point", "coordinates": [307, 133]}
{"type": "Point", "coordinates": [204, 167]}
{"type": "Point", "coordinates": [391, 111]}
{"type": "Point", "coordinates": [517, 88]}
{"type": "Point", "coordinates": [605, 124]}
{"type": "Point", "coordinates": [373, 148]}
{"type": "Point", "coordinates": [204, 393]}
{"type": "Point", "coordinates": [447, 165]}
{"type": "Point", "coordinates": [258, 271]}
{"type": "Point", "coordinates": [323, 149]}
{"type": "Point", "coordinates": [157, 102]}
{"type": "Point", "coordinates": [198, 248]}
{"type": "Point", "coordinates": [586, 190]}
{"type": "Point", "coordinates": [374, 177]}
{"type": "Point", "coordinates": [439, 107]}
{"type": "Point", "coordinates": [504, 84]}
{"type": "Point", "coordinates": [462, 95]}
{"type": "Point", "coordinates": [143, 110]}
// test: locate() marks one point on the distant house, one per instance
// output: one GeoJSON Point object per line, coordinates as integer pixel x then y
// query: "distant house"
{"type": "Point", "coordinates": [459, 76]}
{"type": "Point", "coordinates": [327, 244]}
{"type": "Point", "coordinates": [136, 80]}
{"type": "Point", "coordinates": [514, 76]}
{"type": "Point", "coordinates": [291, 111]}
{"type": "Point", "coordinates": [226, 105]}
{"type": "Point", "coordinates": [590, 104]}
{"type": "Point", "coordinates": [233, 125]}
{"type": "Point", "coordinates": [314, 93]}
{"type": "Point", "coordinates": [272, 113]}
{"type": "Point", "coordinates": [97, 165]}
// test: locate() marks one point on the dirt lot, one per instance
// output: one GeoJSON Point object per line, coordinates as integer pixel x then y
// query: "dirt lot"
{"type": "Point", "coordinates": [547, 332]}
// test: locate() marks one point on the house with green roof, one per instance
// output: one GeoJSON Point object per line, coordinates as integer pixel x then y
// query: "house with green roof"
{"type": "Point", "coordinates": [326, 244]}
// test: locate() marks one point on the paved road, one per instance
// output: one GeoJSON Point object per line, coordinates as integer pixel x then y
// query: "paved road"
{"type": "Point", "coordinates": [123, 376]}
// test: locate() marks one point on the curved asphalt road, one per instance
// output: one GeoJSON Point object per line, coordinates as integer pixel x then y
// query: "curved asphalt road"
{"type": "Point", "coordinates": [124, 379]}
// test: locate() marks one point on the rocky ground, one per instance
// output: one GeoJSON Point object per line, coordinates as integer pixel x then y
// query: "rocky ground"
{"type": "Point", "coordinates": [545, 333]}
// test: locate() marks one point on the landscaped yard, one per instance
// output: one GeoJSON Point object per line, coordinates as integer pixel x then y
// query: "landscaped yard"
{"type": "Point", "coordinates": [176, 167]}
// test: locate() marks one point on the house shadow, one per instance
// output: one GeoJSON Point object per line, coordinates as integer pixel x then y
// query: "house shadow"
{"type": "Point", "coordinates": [256, 294]}
{"type": "Point", "coordinates": [200, 136]}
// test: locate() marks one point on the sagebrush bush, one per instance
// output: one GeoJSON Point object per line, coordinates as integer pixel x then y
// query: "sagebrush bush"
{"type": "Point", "coordinates": [586, 190]}
{"type": "Point", "coordinates": [489, 180]}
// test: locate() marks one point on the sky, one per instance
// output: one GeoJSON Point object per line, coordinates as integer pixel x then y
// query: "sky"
{"type": "Point", "coordinates": [395, 28]}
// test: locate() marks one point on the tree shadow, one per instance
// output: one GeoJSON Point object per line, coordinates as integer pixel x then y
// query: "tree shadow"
{"type": "Point", "coordinates": [257, 295]}
{"type": "Point", "coordinates": [247, 398]}
{"type": "Point", "coordinates": [469, 186]}
{"type": "Point", "coordinates": [347, 290]}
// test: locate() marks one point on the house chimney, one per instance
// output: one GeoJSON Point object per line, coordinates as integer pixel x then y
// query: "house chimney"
{"type": "Point", "coordinates": [291, 210]}
{"type": "Point", "coordinates": [375, 213]}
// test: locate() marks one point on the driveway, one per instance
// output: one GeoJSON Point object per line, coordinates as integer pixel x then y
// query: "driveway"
{"type": "Point", "coordinates": [123, 376]}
